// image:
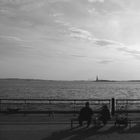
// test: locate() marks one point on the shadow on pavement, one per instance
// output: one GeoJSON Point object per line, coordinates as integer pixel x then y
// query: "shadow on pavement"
{"type": "Point", "coordinates": [83, 133]}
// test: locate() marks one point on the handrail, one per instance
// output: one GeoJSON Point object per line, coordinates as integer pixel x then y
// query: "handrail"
{"type": "Point", "coordinates": [58, 99]}
{"type": "Point", "coordinates": [72, 104]}
{"type": "Point", "coordinates": [50, 104]}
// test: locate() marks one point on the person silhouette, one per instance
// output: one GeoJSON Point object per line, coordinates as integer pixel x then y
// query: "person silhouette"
{"type": "Point", "coordinates": [85, 115]}
{"type": "Point", "coordinates": [104, 114]}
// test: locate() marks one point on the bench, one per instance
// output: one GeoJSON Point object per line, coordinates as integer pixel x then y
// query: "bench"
{"type": "Point", "coordinates": [72, 121]}
{"type": "Point", "coordinates": [133, 120]}
{"type": "Point", "coordinates": [122, 121]}
{"type": "Point", "coordinates": [128, 118]}
{"type": "Point", "coordinates": [75, 120]}
{"type": "Point", "coordinates": [94, 121]}
{"type": "Point", "coordinates": [130, 121]}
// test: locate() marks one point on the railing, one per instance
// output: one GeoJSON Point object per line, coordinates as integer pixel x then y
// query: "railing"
{"type": "Point", "coordinates": [50, 105]}
{"type": "Point", "coordinates": [67, 105]}
{"type": "Point", "coordinates": [129, 105]}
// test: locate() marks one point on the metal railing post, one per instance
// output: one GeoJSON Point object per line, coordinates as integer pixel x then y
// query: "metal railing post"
{"type": "Point", "coordinates": [0, 106]}
{"type": "Point", "coordinates": [113, 106]}
{"type": "Point", "coordinates": [74, 108]}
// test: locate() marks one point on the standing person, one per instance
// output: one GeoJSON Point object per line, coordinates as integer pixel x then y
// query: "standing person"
{"type": "Point", "coordinates": [104, 114]}
{"type": "Point", "coordinates": [85, 114]}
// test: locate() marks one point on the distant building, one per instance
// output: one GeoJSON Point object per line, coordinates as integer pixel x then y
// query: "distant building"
{"type": "Point", "coordinates": [97, 79]}
{"type": "Point", "coordinates": [101, 80]}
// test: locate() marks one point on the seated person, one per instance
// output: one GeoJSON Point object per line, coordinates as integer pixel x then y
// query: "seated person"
{"type": "Point", "coordinates": [85, 114]}
{"type": "Point", "coordinates": [104, 114]}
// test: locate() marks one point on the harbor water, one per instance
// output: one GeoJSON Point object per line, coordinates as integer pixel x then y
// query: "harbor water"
{"type": "Point", "coordinates": [30, 89]}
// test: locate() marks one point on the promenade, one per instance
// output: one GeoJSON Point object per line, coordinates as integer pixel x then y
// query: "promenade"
{"type": "Point", "coordinates": [54, 124]}
{"type": "Point", "coordinates": [43, 127]}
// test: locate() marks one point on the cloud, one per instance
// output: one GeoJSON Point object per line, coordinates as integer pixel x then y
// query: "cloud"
{"type": "Point", "coordinates": [132, 52]}
{"type": "Point", "coordinates": [32, 6]}
{"type": "Point", "coordinates": [58, 14]}
{"type": "Point", "coordinates": [80, 33]}
{"type": "Point", "coordinates": [18, 39]}
{"type": "Point", "coordinates": [14, 38]}
{"type": "Point", "coordinates": [13, 46]}
{"type": "Point", "coordinates": [62, 22]}
{"type": "Point", "coordinates": [79, 56]}
{"type": "Point", "coordinates": [92, 11]}
{"type": "Point", "coordinates": [88, 36]}
{"type": "Point", "coordinates": [92, 1]}
{"type": "Point", "coordinates": [104, 6]}
{"type": "Point", "coordinates": [9, 48]}
{"type": "Point", "coordinates": [54, 1]}
{"type": "Point", "coordinates": [26, 13]}
{"type": "Point", "coordinates": [105, 61]}
{"type": "Point", "coordinates": [119, 47]}
{"type": "Point", "coordinates": [104, 42]}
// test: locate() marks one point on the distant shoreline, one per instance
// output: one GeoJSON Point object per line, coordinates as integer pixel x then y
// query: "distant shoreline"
{"type": "Point", "coordinates": [71, 80]}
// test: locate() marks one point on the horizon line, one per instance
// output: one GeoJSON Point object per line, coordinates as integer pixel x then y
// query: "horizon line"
{"type": "Point", "coordinates": [70, 80]}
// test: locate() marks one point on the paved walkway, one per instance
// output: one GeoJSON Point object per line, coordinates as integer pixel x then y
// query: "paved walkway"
{"type": "Point", "coordinates": [35, 127]}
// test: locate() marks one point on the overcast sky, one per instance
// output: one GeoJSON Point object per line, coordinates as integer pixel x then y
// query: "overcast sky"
{"type": "Point", "coordinates": [70, 39]}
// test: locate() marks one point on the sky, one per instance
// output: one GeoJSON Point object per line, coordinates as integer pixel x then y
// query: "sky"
{"type": "Point", "coordinates": [70, 39]}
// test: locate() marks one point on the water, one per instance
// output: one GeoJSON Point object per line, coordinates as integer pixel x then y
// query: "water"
{"type": "Point", "coordinates": [68, 90]}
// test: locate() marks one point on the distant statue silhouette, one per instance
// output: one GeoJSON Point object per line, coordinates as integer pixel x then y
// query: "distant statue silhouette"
{"type": "Point", "coordinates": [104, 114]}
{"type": "Point", "coordinates": [85, 114]}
